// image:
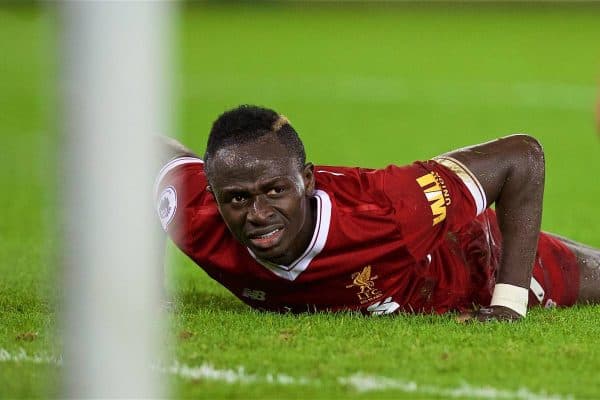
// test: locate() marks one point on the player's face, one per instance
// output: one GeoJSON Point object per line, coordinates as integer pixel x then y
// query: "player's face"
{"type": "Point", "coordinates": [264, 198]}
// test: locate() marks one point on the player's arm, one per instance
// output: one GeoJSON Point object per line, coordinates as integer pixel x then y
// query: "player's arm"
{"type": "Point", "coordinates": [170, 148]}
{"type": "Point", "coordinates": [511, 171]}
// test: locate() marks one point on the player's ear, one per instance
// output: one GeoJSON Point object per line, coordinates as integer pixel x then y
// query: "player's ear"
{"type": "Point", "coordinates": [308, 176]}
{"type": "Point", "coordinates": [209, 189]}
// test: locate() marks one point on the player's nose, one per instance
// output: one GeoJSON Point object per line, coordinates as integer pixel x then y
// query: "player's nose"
{"type": "Point", "coordinates": [261, 211]}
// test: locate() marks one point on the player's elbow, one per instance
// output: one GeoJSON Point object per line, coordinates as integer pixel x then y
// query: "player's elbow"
{"type": "Point", "coordinates": [529, 160]}
{"type": "Point", "coordinates": [532, 151]}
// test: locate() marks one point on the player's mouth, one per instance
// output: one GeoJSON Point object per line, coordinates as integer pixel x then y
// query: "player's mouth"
{"type": "Point", "coordinates": [266, 239]}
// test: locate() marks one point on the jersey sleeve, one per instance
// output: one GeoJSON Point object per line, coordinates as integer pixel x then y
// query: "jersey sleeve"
{"type": "Point", "coordinates": [186, 210]}
{"type": "Point", "coordinates": [430, 199]}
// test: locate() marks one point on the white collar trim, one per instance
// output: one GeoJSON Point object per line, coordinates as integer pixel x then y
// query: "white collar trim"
{"type": "Point", "coordinates": [317, 243]}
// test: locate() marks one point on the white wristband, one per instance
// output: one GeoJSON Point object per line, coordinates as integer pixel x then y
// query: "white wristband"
{"type": "Point", "coordinates": [511, 296]}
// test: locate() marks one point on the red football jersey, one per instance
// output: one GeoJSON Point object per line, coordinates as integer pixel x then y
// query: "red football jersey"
{"type": "Point", "coordinates": [415, 238]}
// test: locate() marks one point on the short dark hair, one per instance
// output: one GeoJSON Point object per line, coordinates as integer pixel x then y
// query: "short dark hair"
{"type": "Point", "coordinates": [247, 123]}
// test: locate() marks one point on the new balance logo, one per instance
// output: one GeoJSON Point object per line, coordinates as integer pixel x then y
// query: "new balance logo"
{"type": "Point", "coordinates": [254, 294]}
{"type": "Point", "coordinates": [385, 307]}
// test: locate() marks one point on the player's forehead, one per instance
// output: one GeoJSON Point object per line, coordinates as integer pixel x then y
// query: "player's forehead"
{"type": "Point", "coordinates": [252, 163]}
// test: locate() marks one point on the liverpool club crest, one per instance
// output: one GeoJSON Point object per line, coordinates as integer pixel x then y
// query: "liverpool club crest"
{"type": "Point", "coordinates": [366, 285]}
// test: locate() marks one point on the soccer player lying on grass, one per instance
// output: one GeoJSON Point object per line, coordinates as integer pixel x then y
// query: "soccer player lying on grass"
{"type": "Point", "coordinates": [284, 235]}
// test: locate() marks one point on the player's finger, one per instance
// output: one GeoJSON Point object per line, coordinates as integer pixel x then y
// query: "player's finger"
{"type": "Point", "coordinates": [465, 317]}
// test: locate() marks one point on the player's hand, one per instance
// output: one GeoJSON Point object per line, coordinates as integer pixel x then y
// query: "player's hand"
{"type": "Point", "coordinates": [496, 313]}
{"type": "Point", "coordinates": [491, 313]}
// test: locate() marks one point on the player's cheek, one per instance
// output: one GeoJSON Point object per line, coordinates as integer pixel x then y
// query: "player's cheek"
{"type": "Point", "coordinates": [234, 221]}
{"type": "Point", "coordinates": [297, 214]}
{"type": "Point", "coordinates": [290, 209]}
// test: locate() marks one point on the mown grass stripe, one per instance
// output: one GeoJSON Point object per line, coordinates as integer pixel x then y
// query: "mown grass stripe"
{"type": "Point", "coordinates": [359, 381]}
{"type": "Point", "coordinates": [382, 90]}
{"type": "Point", "coordinates": [369, 383]}
{"type": "Point", "coordinates": [21, 356]}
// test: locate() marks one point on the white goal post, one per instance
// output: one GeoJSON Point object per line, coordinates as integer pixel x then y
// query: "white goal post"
{"type": "Point", "coordinates": [114, 59]}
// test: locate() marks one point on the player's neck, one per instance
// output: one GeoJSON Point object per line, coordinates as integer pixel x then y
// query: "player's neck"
{"type": "Point", "coordinates": [304, 236]}
{"type": "Point", "coordinates": [308, 230]}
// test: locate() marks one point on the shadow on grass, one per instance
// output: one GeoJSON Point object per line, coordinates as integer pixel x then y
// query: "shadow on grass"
{"type": "Point", "coordinates": [191, 300]}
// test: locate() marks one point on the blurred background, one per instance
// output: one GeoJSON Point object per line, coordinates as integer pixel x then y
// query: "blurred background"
{"type": "Point", "coordinates": [364, 83]}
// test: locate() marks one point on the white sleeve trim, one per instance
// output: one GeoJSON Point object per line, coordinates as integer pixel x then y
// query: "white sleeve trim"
{"type": "Point", "coordinates": [468, 179]}
{"type": "Point", "coordinates": [172, 165]}
{"type": "Point", "coordinates": [537, 289]}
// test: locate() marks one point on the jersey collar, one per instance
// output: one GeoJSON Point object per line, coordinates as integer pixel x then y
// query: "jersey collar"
{"type": "Point", "coordinates": [317, 243]}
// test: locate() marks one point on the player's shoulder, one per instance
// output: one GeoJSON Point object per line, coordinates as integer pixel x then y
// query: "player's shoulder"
{"type": "Point", "coordinates": [333, 177]}
{"type": "Point", "coordinates": [359, 178]}
{"type": "Point", "coordinates": [383, 186]}
{"type": "Point", "coordinates": [351, 187]}
{"type": "Point", "coordinates": [177, 167]}
{"type": "Point", "coordinates": [180, 184]}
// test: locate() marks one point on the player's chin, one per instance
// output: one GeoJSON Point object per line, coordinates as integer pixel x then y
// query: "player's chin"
{"type": "Point", "coordinates": [276, 254]}
{"type": "Point", "coordinates": [270, 256]}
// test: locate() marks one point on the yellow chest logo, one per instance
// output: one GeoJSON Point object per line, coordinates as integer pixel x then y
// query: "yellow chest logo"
{"type": "Point", "coordinates": [437, 194]}
{"type": "Point", "coordinates": [366, 285]}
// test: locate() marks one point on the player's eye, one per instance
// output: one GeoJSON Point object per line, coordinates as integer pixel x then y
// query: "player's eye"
{"type": "Point", "coordinates": [276, 191]}
{"type": "Point", "coordinates": [238, 199]}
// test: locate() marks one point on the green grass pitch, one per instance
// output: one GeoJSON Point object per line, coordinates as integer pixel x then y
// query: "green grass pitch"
{"type": "Point", "coordinates": [364, 85]}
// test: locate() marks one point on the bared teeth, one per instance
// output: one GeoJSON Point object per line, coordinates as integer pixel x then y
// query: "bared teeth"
{"type": "Point", "coordinates": [266, 235]}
